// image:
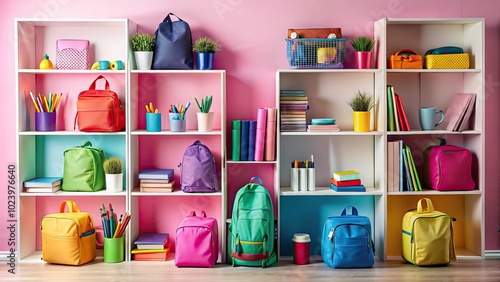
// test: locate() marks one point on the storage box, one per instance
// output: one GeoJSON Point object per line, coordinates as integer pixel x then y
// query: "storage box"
{"type": "Point", "coordinates": [315, 53]}
{"type": "Point", "coordinates": [405, 59]}
{"type": "Point", "coordinates": [447, 61]}
{"type": "Point", "coordinates": [72, 54]}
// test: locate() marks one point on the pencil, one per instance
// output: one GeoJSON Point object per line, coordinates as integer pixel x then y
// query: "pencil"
{"type": "Point", "coordinates": [34, 102]}
{"type": "Point", "coordinates": [57, 101]}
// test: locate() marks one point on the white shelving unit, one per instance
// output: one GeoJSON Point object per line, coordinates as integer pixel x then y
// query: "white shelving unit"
{"type": "Point", "coordinates": [328, 91]}
{"type": "Point", "coordinates": [436, 87]}
{"type": "Point", "coordinates": [149, 149]}
{"type": "Point", "coordinates": [41, 153]}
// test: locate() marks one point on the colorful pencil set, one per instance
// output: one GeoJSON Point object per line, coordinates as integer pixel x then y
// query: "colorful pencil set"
{"type": "Point", "coordinates": [111, 226]}
{"type": "Point", "coordinates": [43, 104]}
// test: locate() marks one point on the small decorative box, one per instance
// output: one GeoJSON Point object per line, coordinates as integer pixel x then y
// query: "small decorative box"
{"type": "Point", "coordinates": [447, 61]}
{"type": "Point", "coordinates": [72, 54]}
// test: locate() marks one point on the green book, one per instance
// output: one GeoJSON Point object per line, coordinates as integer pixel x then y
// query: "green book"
{"type": "Point", "coordinates": [390, 110]}
{"type": "Point", "coordinates": [236, 139]}
{"type": "Point", "coordinates": [418, 186]}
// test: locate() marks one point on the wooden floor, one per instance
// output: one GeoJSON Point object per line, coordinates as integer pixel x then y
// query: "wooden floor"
{"type": "Point", "coordinates": [471, 270]}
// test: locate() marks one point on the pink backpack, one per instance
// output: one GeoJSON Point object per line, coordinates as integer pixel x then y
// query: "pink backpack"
{"type": "Point", "coordinates": [197, 241]}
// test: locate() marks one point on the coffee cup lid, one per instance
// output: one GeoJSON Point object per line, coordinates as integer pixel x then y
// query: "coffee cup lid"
{"type": "Point", "coordinates": [301, 238]}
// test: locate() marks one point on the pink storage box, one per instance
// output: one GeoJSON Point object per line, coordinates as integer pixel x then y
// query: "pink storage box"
{"type": "Point", "coordinates": [72, 54]}
{"type": "Point", "coordinates": [197, 241]}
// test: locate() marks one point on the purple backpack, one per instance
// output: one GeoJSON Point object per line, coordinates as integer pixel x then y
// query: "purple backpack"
{"type": "Point", "coordinates": [198, 170]}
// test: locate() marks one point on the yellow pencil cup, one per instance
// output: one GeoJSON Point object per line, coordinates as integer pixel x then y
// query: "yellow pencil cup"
{"type": "Point", "coordinates": [114, 249]}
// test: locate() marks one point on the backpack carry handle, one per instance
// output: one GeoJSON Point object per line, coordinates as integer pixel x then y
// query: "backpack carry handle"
{"type": "Point", "coordinates": [256, 178]}
{"type": "Point", "coordinates": [430, 207]}
{"type": "Point", "coordinates": [193, 213]}
{"type": "Point", "coordinates": [169, 20]}
{"type": "Point", "coordinates": [72, 207]}
{"type": "Point", "coordinates": [92, 86]}
{"type": "Point", "coordinates": [354, 211]}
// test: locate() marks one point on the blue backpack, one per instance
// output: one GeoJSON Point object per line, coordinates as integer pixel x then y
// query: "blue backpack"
{"type": "Point", "coordinates": [251, 232]}
{"type": "Point", "coordinates": [347, 241]}
{"type": "Point", "coordinates": [198, 170]}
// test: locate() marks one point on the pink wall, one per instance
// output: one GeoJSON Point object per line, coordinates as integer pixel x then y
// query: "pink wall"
{"type": "Point", "coordinates": [252, 36]}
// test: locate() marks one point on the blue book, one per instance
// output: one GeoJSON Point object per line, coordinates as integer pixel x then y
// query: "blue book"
{"type": "Point", "coordinates": [357, 188]}
{"type": "Point", "coordinates": [244, 140]}
{"type": "Point", "coordinates": [43, 182]}
{"type": "Point", "coordinates": [156, 173]}
{"type": "Point", "coordinates": [252, 134]}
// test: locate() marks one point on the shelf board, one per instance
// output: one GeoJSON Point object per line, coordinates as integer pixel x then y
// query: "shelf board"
{"type": "Point", "coordinates": [57, 71]}
{"type": "Point", "coordinates": [420, 21]}
{"type": "Point", "coordinates": [136, 192]}
{"type": "Point", "coordinates": [68, 193]}
{"type": "Point", "coordinates": [433, 70]}
{"type": "Point", "coordinates": [440, 132]}
{"type": "Point", "coordinates": [168, 132]}
{"type": "Point", "coordinates": [109, 22]}
{"type": "Point", "coordinates": [68, 133]}
{"type": "Point", "coordinates": [327, 191]}
{"type": "Point", "coordinates": [251, 162]}
{"type": "Point", "coordinates": [434, 192]}
{"type": "Point", "coordinates": [178, 71]}
{"type": "Point", "coordinates": [329, 71]}
{"type": "Point", "coordinates": [339, 133]}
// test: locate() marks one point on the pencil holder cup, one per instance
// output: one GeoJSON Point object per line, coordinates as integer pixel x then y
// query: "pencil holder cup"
{"type": "Point", "coordinates": [177, 124]}
{"type": "Point", "coordinates": [153, 122]}
{"type": "Point", "coordinates": [114, 249]}
{"type": "Point", "coordinates": [45, 121]}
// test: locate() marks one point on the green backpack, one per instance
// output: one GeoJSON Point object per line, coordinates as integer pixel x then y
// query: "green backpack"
{"type": "Point", "coordinates": [83, 169]}
{"type": "Point", "coordinates": [251, 232]}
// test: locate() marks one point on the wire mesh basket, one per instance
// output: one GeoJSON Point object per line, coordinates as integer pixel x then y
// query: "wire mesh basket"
{"type": "Point", "coordinates": [315, 53]}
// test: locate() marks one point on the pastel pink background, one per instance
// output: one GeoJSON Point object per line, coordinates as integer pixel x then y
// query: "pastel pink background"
{"type": "Point", "coordinates": [252, 36]}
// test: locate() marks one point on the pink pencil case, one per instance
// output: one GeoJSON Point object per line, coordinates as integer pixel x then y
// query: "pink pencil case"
{"type": "Point", "coordinates": [72, 54]}
{"type": "Point", "coordinates": [448, 168]}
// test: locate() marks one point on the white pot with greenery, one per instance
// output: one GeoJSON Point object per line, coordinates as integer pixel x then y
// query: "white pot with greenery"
{"type": "Point", "coordinates": [114, 174]}
{"type": "Point", "coordinates": [363, 56]}
{"type": "Point", "coordinates": [204, 116]}
{"type": "Point", "coordinates": [205, 48]}
{"type": "Point", "coordinates": [143, 45]}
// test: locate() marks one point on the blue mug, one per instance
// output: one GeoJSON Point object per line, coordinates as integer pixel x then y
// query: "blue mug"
{"type": "Point", "coordinates": [427, 116]}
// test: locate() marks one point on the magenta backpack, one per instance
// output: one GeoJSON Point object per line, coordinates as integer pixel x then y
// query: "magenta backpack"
{"type": "Point", "coordinates": [198, 170]}
{"type": "Point", "coordinates": [197, 241]}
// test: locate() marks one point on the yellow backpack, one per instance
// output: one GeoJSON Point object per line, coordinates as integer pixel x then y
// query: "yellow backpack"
{"type": "Point", "coordinates": [428, 236]}
{"type": "Point", "coordinates": [68, 237]}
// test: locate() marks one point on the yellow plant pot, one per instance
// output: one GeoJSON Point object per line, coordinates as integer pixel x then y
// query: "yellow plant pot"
{"type": "Point", "coordinates": [361, 121]}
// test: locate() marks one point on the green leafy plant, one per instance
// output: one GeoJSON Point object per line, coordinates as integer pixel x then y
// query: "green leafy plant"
{"type": "Point", "coordinates": [143, 42]}
{"type": "Point", "coordinates": [363, 44]}
{"type": "Point", "coordinates": [205, 105]}
{"type": "Point", "coordinates": [362, 102]}
{"type": "Point", "coordinates": [206, 45]}
{"type": "Point", "coordinates": [113, 165]}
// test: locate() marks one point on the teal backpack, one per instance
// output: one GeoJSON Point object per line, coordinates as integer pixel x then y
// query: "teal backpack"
{"type": "Point", "coordinates": [83, 169]}
{"type": "Point", "coordinates": [251, 232]}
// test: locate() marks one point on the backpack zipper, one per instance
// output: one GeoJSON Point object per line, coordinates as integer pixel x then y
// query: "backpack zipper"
{"type": "Point", "coordinates": [331, 236]}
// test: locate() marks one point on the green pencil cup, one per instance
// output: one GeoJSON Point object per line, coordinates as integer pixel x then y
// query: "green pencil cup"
{"type": "Point", "coordinates": [114, 249]}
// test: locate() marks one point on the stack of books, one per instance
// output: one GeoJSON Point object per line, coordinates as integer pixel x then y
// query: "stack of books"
{"type": "Point", "coordinates": [151, 246]}
{"type": "Point", "coordinates": [323, 125]}
{"type": "Point", "coordinates": [293, 107]}
{"type": "Point", "coordinates": [157, 180]}
{"type": "Point", "coordinates": [347, 181]}
{"type": "Point", "coordinates": [43, 185]}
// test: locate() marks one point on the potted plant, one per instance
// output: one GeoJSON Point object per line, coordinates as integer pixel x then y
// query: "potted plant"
{"type": "Point", "coordinates": [361, 105]}
{"type": "Point", "coordinates": [114, 174]}
{"type": "Point", "coordinates": [204, 116]}
{"type": "Point", "coordinates": [363, 46]}
{"type": "Point", "coordinates": [143, 45]}
{"type": "Point", "coordinates": [205, 48]}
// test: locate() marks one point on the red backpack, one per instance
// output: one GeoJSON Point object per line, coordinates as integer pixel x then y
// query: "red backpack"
{"type": "Point", "coordinates": [99, 110]}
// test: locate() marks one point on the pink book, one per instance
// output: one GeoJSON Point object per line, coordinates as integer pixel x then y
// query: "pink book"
{"type": "Point", "coordinates": [456, 111]}
{"type": "Point", "coordinates": [270, 152]}
{"type": "Point", "coordinates": [260, 134]}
